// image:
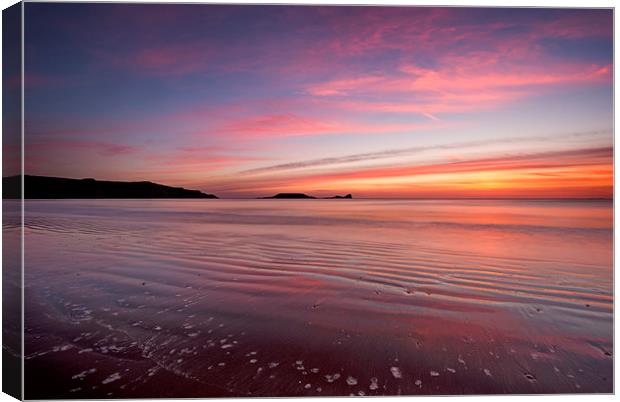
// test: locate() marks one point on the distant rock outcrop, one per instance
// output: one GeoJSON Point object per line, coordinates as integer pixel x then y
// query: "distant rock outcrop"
{"type": "Point", "coordinates": [289, 196]}
{"type": "Point", "coordinates": [342, 196]}
{"type": "Point", "coordinates": [303, 196]}
{"type": "Point", "coordinates": [43, 187]}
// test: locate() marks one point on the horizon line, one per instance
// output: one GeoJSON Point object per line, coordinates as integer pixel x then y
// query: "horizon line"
{"type": "Point", "coordinates": [359, 198]}
{"type": "Point", "coordinates": [318, 197]}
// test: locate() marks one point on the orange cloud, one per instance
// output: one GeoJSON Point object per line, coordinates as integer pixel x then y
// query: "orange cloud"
{"type": "Point", "coordinates": [569, 173]}
{"type": "Point", "coordinates": [539, 161]}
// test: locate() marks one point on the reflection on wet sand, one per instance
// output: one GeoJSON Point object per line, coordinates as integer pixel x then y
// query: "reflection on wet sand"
{"type": "Point", "coordinates": [280, 298]}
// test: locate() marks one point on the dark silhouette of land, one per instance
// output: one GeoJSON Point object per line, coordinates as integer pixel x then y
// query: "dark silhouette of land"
{"type": "Point", "coordinates": [289, 195]}
{"type": "Point", "coordinates": [43, 187]}
{"type": "Point", "coordinates": [303, 196]}
{"type": "Point", "coordinates": [341, 196]}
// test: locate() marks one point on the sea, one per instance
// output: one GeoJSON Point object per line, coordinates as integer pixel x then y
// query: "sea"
{"type": "Point", "coordinates": [223, 298]}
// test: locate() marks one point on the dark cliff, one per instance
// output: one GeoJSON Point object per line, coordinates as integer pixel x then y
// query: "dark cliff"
{"type": "Point", "coordinates": [55, 187]}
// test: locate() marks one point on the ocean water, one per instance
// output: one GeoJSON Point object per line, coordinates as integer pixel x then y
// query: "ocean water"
{"type": "Point", "coordinates": [200, 298]}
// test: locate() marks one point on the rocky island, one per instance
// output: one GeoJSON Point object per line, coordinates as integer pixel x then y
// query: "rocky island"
{"type": "Point", "coordinates": [341, 196]}
{"type": "Point", "coordinates": [303, 196]}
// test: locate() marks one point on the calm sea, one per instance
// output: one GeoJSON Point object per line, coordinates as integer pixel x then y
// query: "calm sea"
{"type": "Point", "coordinates": [141, 298]}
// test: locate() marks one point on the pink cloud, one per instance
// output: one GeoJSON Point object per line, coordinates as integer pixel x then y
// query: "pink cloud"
{"type": "Point", "coordinates": [290, 125]}
{"type": "Point", "coordinates": [341, 38]}
{"type": "Point", "coordinates": [470, 78]}
{"type": "Point", "coordinates": [475, 65]}
{"type": "Point", "coordinates": [452, 79]}
{"type": "Point", "coordinates": [344, 86]}
{"type": "Point", "coordinates": [278, 125]}
{"type": "Point", "coordinates": [433, 33]}
{"type": "Point", "coordinates": [452, 88]}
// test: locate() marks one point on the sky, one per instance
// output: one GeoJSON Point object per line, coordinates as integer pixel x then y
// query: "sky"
{"type": "Point", "coordinates": [380, 102]}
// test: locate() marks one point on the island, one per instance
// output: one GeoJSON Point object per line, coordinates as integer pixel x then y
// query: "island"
{"type": "Point", "coordinates": [341, 196]}
{"type": "Point", "coordinates": [303, 196]}
{"type": "Point", "coordinates": [43, 187]}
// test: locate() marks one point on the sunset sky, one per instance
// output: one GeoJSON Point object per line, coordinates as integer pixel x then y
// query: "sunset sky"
{"type": "Point", "coordinates": [246, 101]}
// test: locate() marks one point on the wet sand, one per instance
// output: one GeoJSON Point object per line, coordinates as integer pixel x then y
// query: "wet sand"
{"type": "Point", "coordinates": [196, 298]}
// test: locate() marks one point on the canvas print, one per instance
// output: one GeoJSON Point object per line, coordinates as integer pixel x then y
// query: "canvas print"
{"type": "Point", "coordinates": [285, 200]}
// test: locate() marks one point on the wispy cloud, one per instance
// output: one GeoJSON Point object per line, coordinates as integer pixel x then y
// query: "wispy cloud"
{"type": "Point", "coordinates": [536, 161]}
{"type": "Point", "coordinates": [585, 172]}
{"type": "Point", "coordinates": [292, 125]}
{"type": "Point", "coordinates": [391, 153]}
